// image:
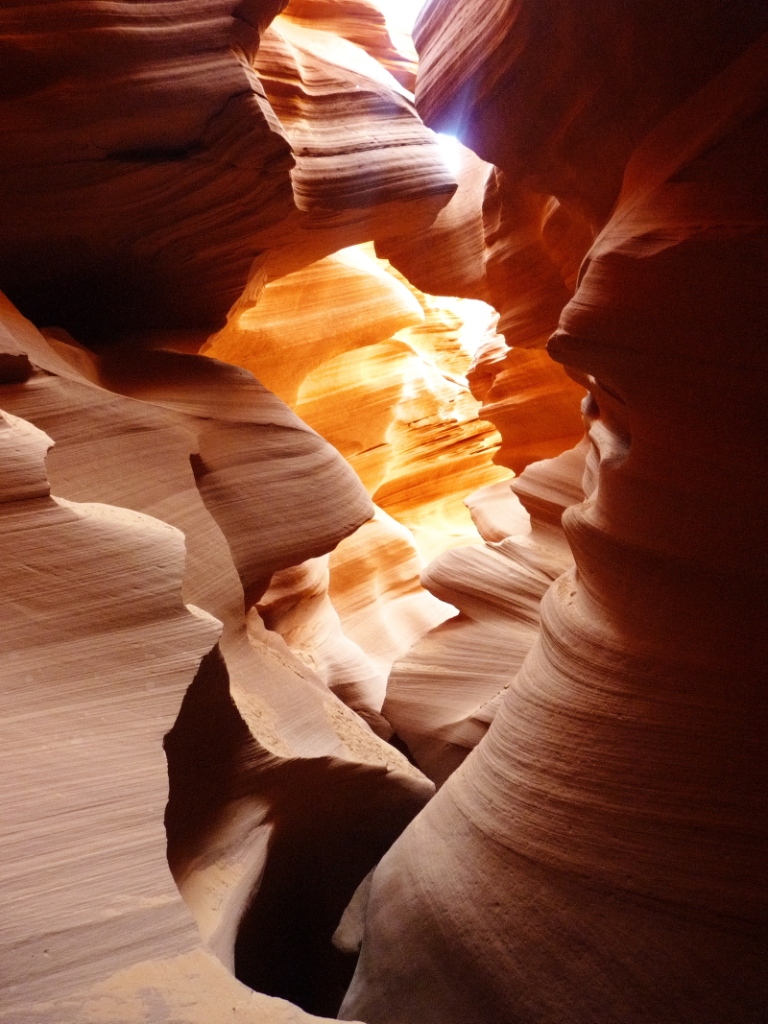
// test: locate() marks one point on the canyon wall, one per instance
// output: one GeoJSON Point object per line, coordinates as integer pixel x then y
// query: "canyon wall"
{"type": "Point", "coordinates": [233, 432]}
{"type": "Point", "coordinates": [600, 855]}
{"type": "Point", "coordinates": [151, 168]}
{"type": "Point", "coordinates": [185, 797]}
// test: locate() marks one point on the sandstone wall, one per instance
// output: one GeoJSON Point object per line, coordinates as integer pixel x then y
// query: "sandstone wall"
{"type": "Point", "coordinates": [599, 856]}
{"type": "Point", "coordinates": [188, 565]}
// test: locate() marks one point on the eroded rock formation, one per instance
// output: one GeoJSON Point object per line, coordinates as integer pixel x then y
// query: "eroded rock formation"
{"type": "Point", "coordinates": [379, 369]}
{"type": "Point", "coordinates": [243, 751]}
{"type": "Point", "coordinates": [135, 209]}
{"type": "Point", "coordinates": [600, 855]}
{"type": "Point", "coordinates": [146, 178]}
{"type": "Point", "coordinates": [445, 691]}
{"type": "Point", "coordinates": [188, 565]}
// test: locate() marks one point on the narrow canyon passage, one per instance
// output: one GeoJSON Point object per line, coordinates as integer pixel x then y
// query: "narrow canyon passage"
{"type": "Point", "coordinates": [383, 451]}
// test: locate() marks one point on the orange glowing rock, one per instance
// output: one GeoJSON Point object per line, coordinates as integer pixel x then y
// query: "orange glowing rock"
{"type": "Point", "coordinates": [197, 566]}
{"type": "Point", "coordinates": [363, 23]}
{"type": "Point", "coordinates": [342, 302]}
{"type": "Point", "coordinates": [446, 690]}
{"type": "Point", "coordinates": [520, 252]}
{"type": "Point", "coordinates": [420, 449]}
{"type": "Point", "coordinates": [378, 369]}
{"type": "Point", "coordinates": [530, 400]}
{"type": "Point", "coordinates": [362, 339]}
{"type": "Point", "coordinates": [600, 855]}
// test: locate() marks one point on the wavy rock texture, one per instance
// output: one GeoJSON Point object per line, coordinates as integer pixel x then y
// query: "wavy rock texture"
{"type": "Point", "coordinates": [93, 672]}
{"type": "Point", "coordinates": [144, 170]}
{"type": "Point", "coordinates": [146, 181]}
{"type": "Point", "coordinates": [378, 369]}
{"type": "Point", "coordinates": [131, 136]}
{"type": "Point", "coordinates": [351, 614]}
{"type": "Point", "coordinates": [600, 855]}
{"type": "Point", "coordinates": [520, 251]}
{"type": "Point", "coordinates": [365, 166]}
{"type": "Point", "coordinates": [445, 691]}
{"type": "Point", "coordinates": [337, 304]}
{"type": "Point", "coordinates": [376, 591]}
{"type": "Point", "coordinates": [363, 23]}
{"type": "Point", "coordinates": [362, 338]}
{"type": "Point", "coordinates": [298, 607]}
{"type": "Point", "coordinates": [114, 616]}
{"type": "Point", "coordinates": [596, 851]}
{"type": "Point", "coordinates": [265, 764]}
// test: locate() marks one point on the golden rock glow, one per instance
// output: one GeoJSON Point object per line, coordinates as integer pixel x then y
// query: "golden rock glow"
{"type": "Point", "coordinates": [380, 370]}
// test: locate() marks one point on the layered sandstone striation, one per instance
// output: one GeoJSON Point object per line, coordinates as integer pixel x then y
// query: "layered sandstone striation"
{"type": "Point", "coordinates": [147, 178]}
{"type": "Point", "coordinates": [600, 854]}
{"type": "Point", "coordinates": [445, 691]}
{"type": "Point", "coordinates": [212, 612]}
{"type": "Point", "coordinates": [160, 174]}
{"type": "Point", "coordinates": [505, 244]}
{"type": "Point", "coordinates": [262, 758]}
{"type": "Point", "coordinates": [98, 650]}
{"type": "Point", "coordinates": [148, 185]}
{"type": "Point", "coordinates": [379, 369]}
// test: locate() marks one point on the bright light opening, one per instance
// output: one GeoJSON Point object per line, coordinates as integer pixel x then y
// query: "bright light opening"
{"type": "Point", "coordinates": [401, 14]}
{"type": "Point", "coordinates": [450, 150]}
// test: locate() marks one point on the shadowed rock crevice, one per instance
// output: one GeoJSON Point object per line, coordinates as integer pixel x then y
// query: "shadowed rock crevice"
{"type": "Point", "coordinates": [327, 823]}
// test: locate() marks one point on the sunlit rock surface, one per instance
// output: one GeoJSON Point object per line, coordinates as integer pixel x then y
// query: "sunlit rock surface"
{"type": "Point", "coordinates": [600, 854]}
{"type": "Point", "coordinates": [366, 24]}
{"type": "Point", "coordinates": [365, 167]}
{"type": "Point", "coordinates": [343, 302]}
{"type": "Point", "coordinates": [211, 576]}
{"type": "Point", "coordinates": [262, 758]}
{"type": "Point", "coordinates": [519, 251]}
{"type": "Point", "coordinates": [376, 591]}
{"type": "Point", "coordinates": [378, 368]}
{"type": "Point", "coordinates": [147, 186]}
{"type": "Point", "coordinates": [445, 691]}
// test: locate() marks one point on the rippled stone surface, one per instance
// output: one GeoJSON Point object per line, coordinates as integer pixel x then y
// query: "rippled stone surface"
{"type": "Point", "coordinates": [599, 855]}
{"type": "Point", "coordinates": [192, 565]}
{"type": "Point", "coordinates": [136, 640]}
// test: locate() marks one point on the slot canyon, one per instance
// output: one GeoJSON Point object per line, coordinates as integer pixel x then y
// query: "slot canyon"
{"type": "Point", "coordinates": [384, 511]}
